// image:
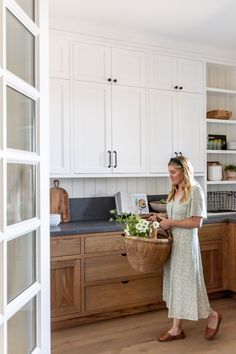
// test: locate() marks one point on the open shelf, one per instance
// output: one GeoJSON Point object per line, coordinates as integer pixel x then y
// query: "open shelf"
{"type": "Point", "coordinates": [219, 91]}
{"type": "Point", "coordinates": [221, 121]}
{"type": "Point", "coordinates": [225, 152]}
{"type": "Point", "coordinates": [221, 182]}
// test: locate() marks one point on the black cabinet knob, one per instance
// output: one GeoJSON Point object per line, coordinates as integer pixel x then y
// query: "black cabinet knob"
{"type": "Point", "coordinates": [176, 153]}
{"type": "Point", "coordinates": [176, 87]}
{"type": "Point", "coordinates": [109, 79]}
{"type": "Point", "coordinates": [180, 153]}
{"type": "Point", "coordinates": [115, 80]}
{"type": "Point", "coordinates": [181, 87]}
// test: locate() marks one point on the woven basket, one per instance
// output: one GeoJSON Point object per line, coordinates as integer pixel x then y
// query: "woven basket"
{"type": "Point", "coordinates": [219, 114]}
{"type": "Point", "coordinates": [148, 254]}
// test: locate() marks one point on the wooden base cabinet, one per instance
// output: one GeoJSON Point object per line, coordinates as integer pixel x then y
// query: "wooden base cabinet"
{"type": "Point", "coordinates": [232, 257]}
{"type": "Point", "coordinates": [91, 279]}
{"type": "Point", "coordinates": [213, 250]}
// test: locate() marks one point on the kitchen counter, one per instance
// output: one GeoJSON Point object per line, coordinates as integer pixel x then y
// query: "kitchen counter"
{"type": "Point", "coordinates": [96, 226]}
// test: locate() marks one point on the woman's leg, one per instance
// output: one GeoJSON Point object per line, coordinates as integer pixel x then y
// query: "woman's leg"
{"type": "Point", "coordinates": [176, 327]}
{"type": "Point", "coordinates": [213, 318]}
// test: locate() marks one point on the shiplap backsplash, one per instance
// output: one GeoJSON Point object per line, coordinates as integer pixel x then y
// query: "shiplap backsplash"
{"type": "Point", "coordinates": [100, 187]}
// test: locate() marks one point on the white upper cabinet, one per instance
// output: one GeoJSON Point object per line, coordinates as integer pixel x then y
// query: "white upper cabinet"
{"type": "Point", "coordinates": [190, 129]}
{"type": "Point", "coordinates": [91, 62]}
{"type": "Point", "coordinates": [128, 130]}
{"type": "Point", "coordinates": [59, 57]}
{"type": "Point", "coordinates": [176, 125]}
{"type": "Point", "coordinates": [128, 67]}
{"type": "Point", "coordinates": [59, 127]}
{"type": "Point", "coordinates": [171, 73]}
{"type": "Point", "coordinates": [109, 133]}
{"type": "Point", "coordinates": [162, 130]}
{"type": "Point", "coordinates": [92, 128]}
{"type": "Point", "coordinates": [98, 63]}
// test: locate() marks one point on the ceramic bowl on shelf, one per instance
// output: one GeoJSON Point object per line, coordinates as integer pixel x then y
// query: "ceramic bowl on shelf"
{"type": "Point", "coordinates": [55, 219]}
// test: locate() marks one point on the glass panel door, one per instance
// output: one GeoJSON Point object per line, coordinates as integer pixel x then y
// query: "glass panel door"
{"type": "Point", "coordinates": [24, 176]}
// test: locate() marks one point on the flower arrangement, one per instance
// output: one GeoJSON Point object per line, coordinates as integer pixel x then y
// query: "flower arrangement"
{"type": "Point", "coordinates": [135, 225]}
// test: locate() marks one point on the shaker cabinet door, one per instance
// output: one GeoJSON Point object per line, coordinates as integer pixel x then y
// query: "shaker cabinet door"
{"type": "Point", "coordinates": [191, 75]}
{"type": "Point", "coordinates": [191, 128]}
{"type": "Point", "coordinates": [128, 130]}
{"type": "Point", "coordinates": [59, 57]}
{"type": "Point", "coordinates": [91, 62]}
{"type": "Point", "coordinates": [162, 124]}
{"type": "Point", "coordinates": [163, 72]}
{"type": "Point", "coordinates": [59, 127]}
{"type": "Point", "coordinates": [92, 128]}
{"type": "Point", "coordinates": [128, 67]}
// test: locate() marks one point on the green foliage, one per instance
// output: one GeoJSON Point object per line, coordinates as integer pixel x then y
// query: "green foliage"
{"type": "Point", "coordinates": [135, 225]}
{"type": "Point", "coordinates": [230, 168]}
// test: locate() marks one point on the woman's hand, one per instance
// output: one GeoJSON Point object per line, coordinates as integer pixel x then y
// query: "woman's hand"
{"type": "Point", "coordinates": [153, 217]}
{"type": "Point", "coordinates": [165, 223]}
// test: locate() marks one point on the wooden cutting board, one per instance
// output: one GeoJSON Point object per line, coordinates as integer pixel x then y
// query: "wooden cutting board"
{"type": "Point", "coordinates": [59, 202]}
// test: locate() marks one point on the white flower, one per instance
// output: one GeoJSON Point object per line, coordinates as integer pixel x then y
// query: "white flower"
{"type": "Point", "coordinates": [156, 225]}
{"type": "Point", "coordinates": [127, 232]}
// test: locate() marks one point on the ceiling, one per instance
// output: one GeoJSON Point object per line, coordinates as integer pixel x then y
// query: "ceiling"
{"type": "Point", "coordinates": [202, 21]}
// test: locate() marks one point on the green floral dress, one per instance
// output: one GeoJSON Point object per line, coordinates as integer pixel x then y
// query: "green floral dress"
{"type": "Point", "coordinates": [184, 289]}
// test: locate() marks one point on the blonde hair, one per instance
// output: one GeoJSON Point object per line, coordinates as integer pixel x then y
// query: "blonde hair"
{"type": "Point", "coordinates": [182, 163]}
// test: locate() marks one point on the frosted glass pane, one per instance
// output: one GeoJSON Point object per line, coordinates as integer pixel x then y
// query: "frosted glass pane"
{"type": "Point", "coordinates": [21, 265]}
{"type": "Point", "coordinates": [22, 330]}
{"type": "Point", "coordinates": [20, 50]}
{"type": "Point", "coordinates": [21, 124]}
{"type": "Point", "coordinates": [21, 189]}
{"type": "Point", "coordinates": [27, 6]}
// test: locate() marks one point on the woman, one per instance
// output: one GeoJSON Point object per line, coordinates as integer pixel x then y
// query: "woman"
{"type": "Point", "coordinates": [184, 289]}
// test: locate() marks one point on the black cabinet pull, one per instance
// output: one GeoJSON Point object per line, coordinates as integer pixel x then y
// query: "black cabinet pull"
{"type": "Point", "coordinates": [176, 87]}
{"type": "Point", "coordinates": [181, 87]}
{"type": "Point", "coordinates": [115, 80]}
{"type": "Point", "coordinates": [109, 163]}
{"type": "Point", "coordinates": [180, 153]}
{"type": "Point", "coordinates": [115, 153]}
{"type": "Point", "coordinates": [176, 154]}
{"type": "Point", "coordinates": [124, 254]}
{"type": "Point", "coordinates": [125, 281]}
{"type": "Point", "coordinates": [109, 79]}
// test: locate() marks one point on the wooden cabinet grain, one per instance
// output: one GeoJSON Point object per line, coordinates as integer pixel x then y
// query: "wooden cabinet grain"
{"type": "Point", "coordinates": [213, 243]}
{"type": "Point", "coordinates": [91, 278]}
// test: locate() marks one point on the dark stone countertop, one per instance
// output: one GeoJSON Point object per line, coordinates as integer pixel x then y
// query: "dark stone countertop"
{"type": "Point", "coordinates": [96, 226]}
{"type": "Point", "coordinates": [84, 227]}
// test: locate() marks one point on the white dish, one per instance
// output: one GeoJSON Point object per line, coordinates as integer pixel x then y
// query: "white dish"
{"type": "Point", "coordinates": [55, 219]}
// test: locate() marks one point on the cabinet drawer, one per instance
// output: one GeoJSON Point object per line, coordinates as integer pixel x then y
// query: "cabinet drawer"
{"type": "Point", "coordinates": [65, 246]}
{"type": "Point", "coordinates": [105, 243]}
{"type": "Point", "coordinates": [124, 294]}
{"type": "Point", "coordinates": [107, 267]}
{"type": "Point", "coordinates": [212, 232]}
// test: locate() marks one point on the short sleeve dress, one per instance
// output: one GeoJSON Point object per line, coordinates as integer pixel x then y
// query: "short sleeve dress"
{"type": "Point", "coordinates": [184, 289]}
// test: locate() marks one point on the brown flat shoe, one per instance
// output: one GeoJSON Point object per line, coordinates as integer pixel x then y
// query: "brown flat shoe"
{"type": "Point", "coordinates": [211, 332]}
{"type": "Point", "coordinates": [167, 337]}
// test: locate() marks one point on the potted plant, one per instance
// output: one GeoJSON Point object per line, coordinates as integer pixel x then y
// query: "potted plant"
{"type": "Point", "coordinates": [147, 245]}
{"type": "Point", "coordinates": [230, 171]}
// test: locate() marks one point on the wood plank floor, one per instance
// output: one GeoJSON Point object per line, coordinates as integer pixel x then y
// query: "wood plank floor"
{"type": "Point", "coordinates": [137, 334]}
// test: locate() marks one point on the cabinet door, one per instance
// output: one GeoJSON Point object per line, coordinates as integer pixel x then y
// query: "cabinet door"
{"type": "Point", "coordinates": [59, 57]}
{"type": "Point", "coordinates": [190, 129]}
{"type": "Point", "coordinates": [65, 287]}
{"type": "Point", "coordinates": [162, 121]}
{"type": "Point", "coordinates": [212, 238]}
{"type": "Point", "coordinates": [128, 130]}
{"type": "Point", "coordinates": [128, 67]}
{"type": "Point", "coordinates": [92, 128]}
{"type": "Point", "coordinates": [163, 72]}
{"type": "Point", "coordinates": [91, 62]}
{"type": "Point", "coordinates": [191, 75]}
{"type": "Point", "coordinates": [59, 127]}
{"type": "Point", "coordinates": [231, 257]}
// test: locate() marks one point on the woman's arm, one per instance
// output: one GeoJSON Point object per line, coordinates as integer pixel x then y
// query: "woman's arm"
{"type": "Point", "coordinates": [189, 223]}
